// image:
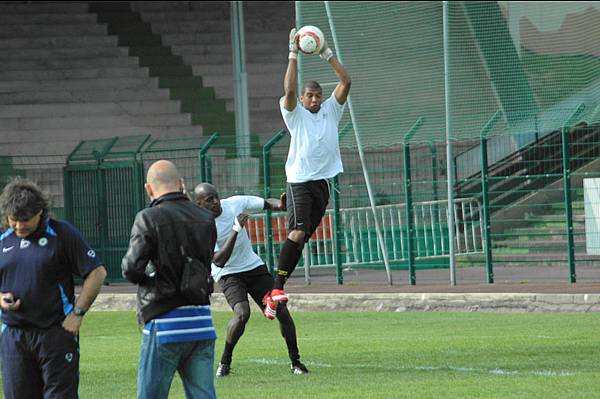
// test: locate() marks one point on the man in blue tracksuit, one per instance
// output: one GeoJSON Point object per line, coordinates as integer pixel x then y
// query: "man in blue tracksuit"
{"type": "Point", "coordinates": [41, 318]}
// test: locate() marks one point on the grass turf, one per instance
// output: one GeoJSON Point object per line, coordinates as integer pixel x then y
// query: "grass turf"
{"type": "Point", "coordinates": [375, 355]}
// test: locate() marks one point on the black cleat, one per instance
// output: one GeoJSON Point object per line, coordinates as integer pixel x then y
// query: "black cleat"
{"type": "Point", "coordinates": [223, 370]}
{"type": "Point", "coordinates": [299, 368]}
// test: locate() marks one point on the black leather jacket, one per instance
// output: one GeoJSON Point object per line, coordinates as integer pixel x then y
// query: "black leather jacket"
{"type": "Point", "coordinates": [154, 260]}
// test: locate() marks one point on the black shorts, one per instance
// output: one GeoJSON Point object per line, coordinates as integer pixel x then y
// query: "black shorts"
{"type": "Point", "coordinates": [256, 282]}
{"type": "Point", "coordinates": [306, 204]}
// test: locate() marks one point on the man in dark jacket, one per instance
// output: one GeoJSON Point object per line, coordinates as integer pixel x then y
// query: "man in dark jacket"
{"type": "Point", "coordinates": [178, 334]}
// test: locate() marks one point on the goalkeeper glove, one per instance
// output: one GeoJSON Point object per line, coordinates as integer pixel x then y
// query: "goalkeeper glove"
{"type": "Point", "coordinates": [326, 52]}
{"type": "Point", "coordinates": [293, 45]}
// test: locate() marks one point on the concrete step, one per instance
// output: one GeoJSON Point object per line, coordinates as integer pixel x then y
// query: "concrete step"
{"type": "Point", "coordinates": [258, 86]}
{"type": "Point", "coordinates": [208, 38]}
{"type": "Point", "coordinates": [62, 53]}
{"type": "Point", "coordinates": [265, 126]}
{"type": "Point", "coordinates": [58, 96]}
{"type": "Point", "coordinates": [76, 135]}
{"type": "Point", "coordinates": [536, 246]}
{"type": "Point", "coordinates": [86, 63]}
{"type": "Point", "coordinates": [277, 69]}
{"type": "Point", "coordinates": [211, 49]}
{"type": "Point", "coordinates": [43, 8]}
{"type": "Point", "coordinates": [47, 18]}
{"type": "Point", "coordinates": [251, 8]}
{"type": "Point", "coordinates": [171, 39]}
{"type": "Point", "coordinates": [60, 74]}
{"type": "Point", "coordinates": [133, 108]}
{"type": "Point", "coordinates": [227, 59]}
{"type": "Point", "coordinates": [72, 122]}
{"type": "Point", "coordinates": [258, 104]}
{"type": "Point", "coordinates": [14, 31]}
{"type": "Point", "coordinates": [77, 84]}
{"type": "Point", "coordinates": [532, 232]}
{"type": "Point", "coordinates": [176, 131]}
{"type": "Point", "coordinates": [191, 27]}
{"type": "Point", "coordinates": [58, 147]}
{"type": "Point", "coordinates": [276, 21]}
{"type": "Point", "coordinates": [185, 15]}
{"type": "Point", "coordinates": [147, 6]}
{"type": "Point", "coordinates": [553, 218]}
{"type": "Point", "coordinates": [58, 42]}
{"type": "Point", "coordinates": [214, 19]}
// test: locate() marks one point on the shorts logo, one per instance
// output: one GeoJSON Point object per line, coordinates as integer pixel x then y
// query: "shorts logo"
{"type": "Point", "coordinates": [25, 244]}
{"type": "Point", "coordinates": [42, 242]}
{"type": "Point", "coordinates": [91, 253]}
{"type": "Point", "coordinates": [69, 357]}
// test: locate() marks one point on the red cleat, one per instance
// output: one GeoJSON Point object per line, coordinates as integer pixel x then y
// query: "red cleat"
{"type": "Point", "coordinates": [279, 296]}
{"type": "Point", "coordinates": [270, 307]}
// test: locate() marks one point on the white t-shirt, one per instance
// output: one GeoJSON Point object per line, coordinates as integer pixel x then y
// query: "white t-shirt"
{"type": "Point", "coordinates": [314, 148]}
{"type": "Point", "coordinates": [243, 258]}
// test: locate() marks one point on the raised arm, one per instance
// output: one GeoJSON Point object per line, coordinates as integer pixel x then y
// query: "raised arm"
{"type": "Point", "coordinates": [290, 81]}
{"type": "Point", "coordinates": [343, 87]}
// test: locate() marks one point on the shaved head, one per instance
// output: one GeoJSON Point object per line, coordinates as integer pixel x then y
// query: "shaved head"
{"type": "Point", "coordinates": [207, 197]}
{"type": "Point", "coordinates": [163, 177]}
{"type": "Point", "coordinates": [203, 189]}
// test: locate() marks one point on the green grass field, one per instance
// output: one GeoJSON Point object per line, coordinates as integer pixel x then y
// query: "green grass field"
{"type": "Point", "coordinates": [376, 355]}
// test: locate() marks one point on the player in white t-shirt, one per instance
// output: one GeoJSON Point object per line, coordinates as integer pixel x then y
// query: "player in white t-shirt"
{"type": "Point", "coordinates": [241, 272]}
{"type": "Point", "coordinates": [313, 157]}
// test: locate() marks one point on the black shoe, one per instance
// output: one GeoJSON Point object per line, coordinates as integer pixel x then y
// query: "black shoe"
{"type": "Point", "coordinates": [299, 368]}
{"type": "Point", "coordinates": [223, 370]}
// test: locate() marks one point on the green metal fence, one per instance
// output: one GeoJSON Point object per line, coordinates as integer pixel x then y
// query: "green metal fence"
{"type": "Point", "coordinates": [525, 209]}
{"type": "Point", "coordinates": [103, 193]}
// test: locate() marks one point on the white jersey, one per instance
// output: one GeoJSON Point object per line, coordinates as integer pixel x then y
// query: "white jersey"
{"type": "Point", "coordinates": [314, 148]}
{"type": "Point", "coordinates": [243, 258]}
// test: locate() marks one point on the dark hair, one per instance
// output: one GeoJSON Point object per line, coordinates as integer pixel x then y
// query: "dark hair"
{"type": "Point", "coordinates": [22, 199]}
{"type": "Point", "coordinates": [312, 85]}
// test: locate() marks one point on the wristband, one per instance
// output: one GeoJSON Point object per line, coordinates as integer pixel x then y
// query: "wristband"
{"type": "Point", "coordinates": [237, 227]}
{"type": "Point", "coordinates": [292, 55]}
{"type": "Point", "coordinates": [326, 54]}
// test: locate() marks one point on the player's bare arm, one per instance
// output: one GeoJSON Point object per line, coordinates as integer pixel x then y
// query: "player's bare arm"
{"type": "Point", "coordinates": [221, 257]}
{"type": "Point", "coordinates": [290, 81]}
{"type": "Point", "coordinates": [343, 87]}
{"type": "Point", "coordinates": [275, 204]}
{"type": "Point", "coordinates": [89, 291]}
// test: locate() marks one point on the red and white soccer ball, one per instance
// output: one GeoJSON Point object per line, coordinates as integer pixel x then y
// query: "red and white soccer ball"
{"type": "Point", "coordinates": [310, 40]}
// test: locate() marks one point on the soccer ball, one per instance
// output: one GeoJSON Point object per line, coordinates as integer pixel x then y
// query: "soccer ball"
{"type": "Point", "coordinates": [310, 40]}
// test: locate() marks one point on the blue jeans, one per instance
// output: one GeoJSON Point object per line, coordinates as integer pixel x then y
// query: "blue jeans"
{"type": "Point", "coordinates": [193, 360]}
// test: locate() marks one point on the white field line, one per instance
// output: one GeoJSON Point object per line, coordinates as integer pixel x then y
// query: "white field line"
{"type": "Point", "coordinates": [493, 371]}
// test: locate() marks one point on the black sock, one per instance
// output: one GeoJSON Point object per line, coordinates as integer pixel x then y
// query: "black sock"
{"type": "Point", "coordinates": [288, 259]}
{"type": "Point", "coordinates": [227, 353]}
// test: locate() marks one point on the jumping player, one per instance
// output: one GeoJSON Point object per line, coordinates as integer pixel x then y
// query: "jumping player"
{"type": "Point", "coordinates": [313, 157]}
